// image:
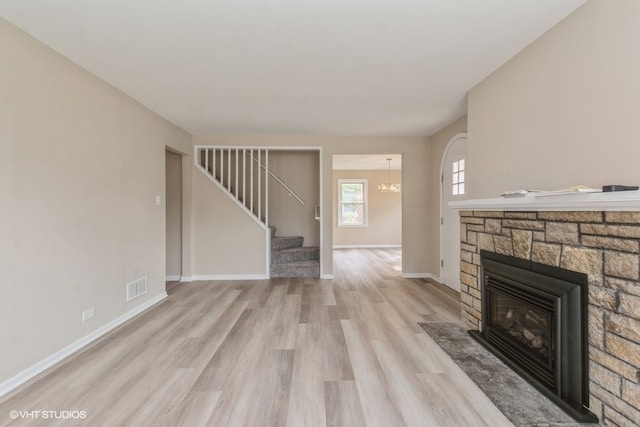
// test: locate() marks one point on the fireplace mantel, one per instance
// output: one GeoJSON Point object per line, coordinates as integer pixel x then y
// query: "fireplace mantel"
{"type": "Point", "coordinates": [612, 201]}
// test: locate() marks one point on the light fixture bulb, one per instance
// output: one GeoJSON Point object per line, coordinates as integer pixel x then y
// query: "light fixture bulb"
{"type": "Point", "coordinates": [388, 187]}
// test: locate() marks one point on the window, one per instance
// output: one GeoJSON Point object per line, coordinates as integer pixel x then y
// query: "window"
{"type": "Point", "coordinates": [352, 203]}
{"type": "Point", "coordinates": [458, 178]}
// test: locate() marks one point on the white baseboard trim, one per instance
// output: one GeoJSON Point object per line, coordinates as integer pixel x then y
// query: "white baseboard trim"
{"type": "Point", "coordinates": [417, 275]}
{"type": "Point", "coordinates": [437, 279]}
{"type": "Point", "coordinates": [365, 246]}
{"type": "Point", "coordinates": [179, 279]}
{"type": "Point", "coordinates": [231, 277]}
{"type": "Point", "coordinates": [25, 375]}
{"type": "Point", "coordinates": [327, 276]}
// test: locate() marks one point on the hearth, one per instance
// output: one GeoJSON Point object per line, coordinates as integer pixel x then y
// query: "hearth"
{"type": "Point", "coordinates": [534, 317]}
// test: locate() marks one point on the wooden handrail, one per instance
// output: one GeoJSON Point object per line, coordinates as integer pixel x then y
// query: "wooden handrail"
{"type": "Point", "coordinates": [278, 180]}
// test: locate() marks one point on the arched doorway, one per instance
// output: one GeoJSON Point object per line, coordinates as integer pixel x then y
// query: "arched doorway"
{"type": "Point", "coordinates": [452, 187]}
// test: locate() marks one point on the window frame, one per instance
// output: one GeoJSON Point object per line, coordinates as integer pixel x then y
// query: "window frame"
{"type": "Point", "coordinates": [458, 177]}
{"type": "Point", "coordinates": [365, 202]}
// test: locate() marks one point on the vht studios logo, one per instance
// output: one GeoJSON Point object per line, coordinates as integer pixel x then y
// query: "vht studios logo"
{"type": "Point", "coordinates": [51, 415]}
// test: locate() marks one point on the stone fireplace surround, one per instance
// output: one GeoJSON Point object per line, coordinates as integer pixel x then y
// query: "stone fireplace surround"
{"type": "Point", "coordinates": [564, 231]}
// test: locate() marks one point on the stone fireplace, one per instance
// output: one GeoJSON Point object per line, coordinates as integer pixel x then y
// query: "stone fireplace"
{"type": "Point", "coordinates": [588, 238]}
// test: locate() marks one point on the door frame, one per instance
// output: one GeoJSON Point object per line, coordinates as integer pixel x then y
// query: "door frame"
{"type": "Point", "coordinates": [168, 151]}
{"type": "Point", "coordinates": [334, 199]}
{"type": "Point", "coordinates": [457, 137]}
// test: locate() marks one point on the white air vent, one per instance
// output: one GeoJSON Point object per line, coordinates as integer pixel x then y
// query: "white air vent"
{"type": "Point", "coordinates": [136, 288]}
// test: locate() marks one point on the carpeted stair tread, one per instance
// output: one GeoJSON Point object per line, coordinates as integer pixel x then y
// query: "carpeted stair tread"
{"type": "Point", "coordinates": [309, 268]}
{"type": "Point", "coordinates": [285, 242]}
{"type": "Point", "coordinates": [289, 258]}
{"type": "Point", "coordinates": [302, 253]}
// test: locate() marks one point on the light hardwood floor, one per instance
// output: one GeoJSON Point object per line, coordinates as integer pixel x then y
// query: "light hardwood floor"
{"type": "Point", "coordinates": [281, 352]}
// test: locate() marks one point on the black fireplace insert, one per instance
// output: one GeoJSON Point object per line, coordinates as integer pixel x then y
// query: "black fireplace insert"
{"type": "Point", "coordinates": [534, 317]}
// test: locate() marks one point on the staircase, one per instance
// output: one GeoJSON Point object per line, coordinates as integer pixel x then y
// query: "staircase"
{"type": "Point", "coordinates": [289, 258]}
{"type": "Point", "coordinates": [243, 173]}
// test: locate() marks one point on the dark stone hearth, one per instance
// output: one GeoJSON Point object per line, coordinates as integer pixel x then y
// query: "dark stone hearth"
{"type": "Point", "coordinates": [518, 400]}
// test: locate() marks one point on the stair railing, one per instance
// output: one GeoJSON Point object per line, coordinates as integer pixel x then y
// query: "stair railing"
{"type": "Point", "coordinates": [243, 173]}
{"type": "Point", "coordinates": [278, 180]}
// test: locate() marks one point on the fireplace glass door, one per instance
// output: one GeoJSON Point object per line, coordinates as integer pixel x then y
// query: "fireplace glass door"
{"type": "Point", "coordinates": [528, 328]}
{"type": "Point", "coordinates": [521, 321]}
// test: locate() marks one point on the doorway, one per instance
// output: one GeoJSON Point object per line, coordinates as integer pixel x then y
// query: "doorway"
{"type": "Point", "coordinates": [366, 212]}
{"type": "Point", "coordinates": [453, 187]}
{"type": "Point", "coordinates": [173, 206]}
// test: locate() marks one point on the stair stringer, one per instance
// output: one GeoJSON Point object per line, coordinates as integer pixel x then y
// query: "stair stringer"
{"type": "Point", "coordinates": [248, 212]}
{"type": "Point", "coordinates": [233, 197]}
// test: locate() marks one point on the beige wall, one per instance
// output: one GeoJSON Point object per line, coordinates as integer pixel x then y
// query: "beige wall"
{"type": "Point", "coordinates": [219, 249]}
{"type": "Point", "coordinates": [80, 167]}
{"type": "Point", "coordinates": [565, 110]}
{"type": "Point", "coordinates": [385, 212]}
{"type": "Point", "coordinates": [439, 142]}
{"type": "Point", "coordinates": [416, 190]}
{"type": "Point", "coordinates": [300, 171]}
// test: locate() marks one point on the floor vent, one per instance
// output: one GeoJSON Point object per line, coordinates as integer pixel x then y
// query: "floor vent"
{"type": "Point", "coordinates": [136, 288]}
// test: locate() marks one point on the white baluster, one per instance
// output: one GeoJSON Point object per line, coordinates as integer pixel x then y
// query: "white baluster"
{"type": "Point", "coordinates": [266, 188]}
{"type": "Point", "coordinates": [213, 161]}
{"type": "Point", "coordinates": [251, 183]}
{"type": "Point", "coordinates": [222, 166]}
{"type": "Point", "coordinates": [229, 169]}
{"type": "Point", "coordinates": [259, 185]}
{"type": "Point", "coordinates": [236, 182]}
{"type": "Point", "coordinates": [244, 177]}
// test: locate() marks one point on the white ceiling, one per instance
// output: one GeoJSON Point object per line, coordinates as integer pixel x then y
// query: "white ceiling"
{"type": "Point", "coordinates": [331, 67]}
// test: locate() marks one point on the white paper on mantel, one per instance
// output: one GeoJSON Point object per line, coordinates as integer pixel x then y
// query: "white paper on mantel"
{"type": "Point", "coordinates": [537, 193]}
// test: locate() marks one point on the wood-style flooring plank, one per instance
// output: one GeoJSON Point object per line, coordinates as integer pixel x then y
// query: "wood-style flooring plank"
{"type": "Point", "coordinates": [272, 400]}
{"type": "Point", "coordinates": [378, 403]}
{"type": "Point", "coordinates": [342, 404]}
{"type": "Point", "coordinates": [195, 409]}
{"type": "Point", "coordinates": [197, 352]}
{"type": "Point", "coordinates": [306, 402]}
{"type": "Point", "coordinates": [406, 387]}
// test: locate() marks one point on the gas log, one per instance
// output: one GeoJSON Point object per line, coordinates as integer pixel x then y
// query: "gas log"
{"type": "Point", "coordinates": [526, 325]}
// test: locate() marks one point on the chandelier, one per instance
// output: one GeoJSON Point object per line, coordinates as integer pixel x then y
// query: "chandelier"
{"type": "Point", "coordinates": [388, 187]}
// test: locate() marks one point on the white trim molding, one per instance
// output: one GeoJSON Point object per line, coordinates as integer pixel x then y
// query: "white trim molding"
{"type": "Point", "coordinates": [436, 278]}
{"type": "Point", "coordinates": [417, 275]}
{"type": "Point", "coordinates": [186, 279]}
{"type": "Point", "coordinates": [441, 227]}
{"type": "Point", "coordinates": [612, 201]}
{"type": "Point", "coordinates": [231, 277]}
{"type": "Point", "coordinates": [365, 246]}
{"type": "Point", "coordinates": [27, 374]}
{"type": "Point", "coordinates": [172, 278]}
{"type": "Point", "coordinates": [327, 276]}
{"type": "Point", "coordinates": [428, 276]}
